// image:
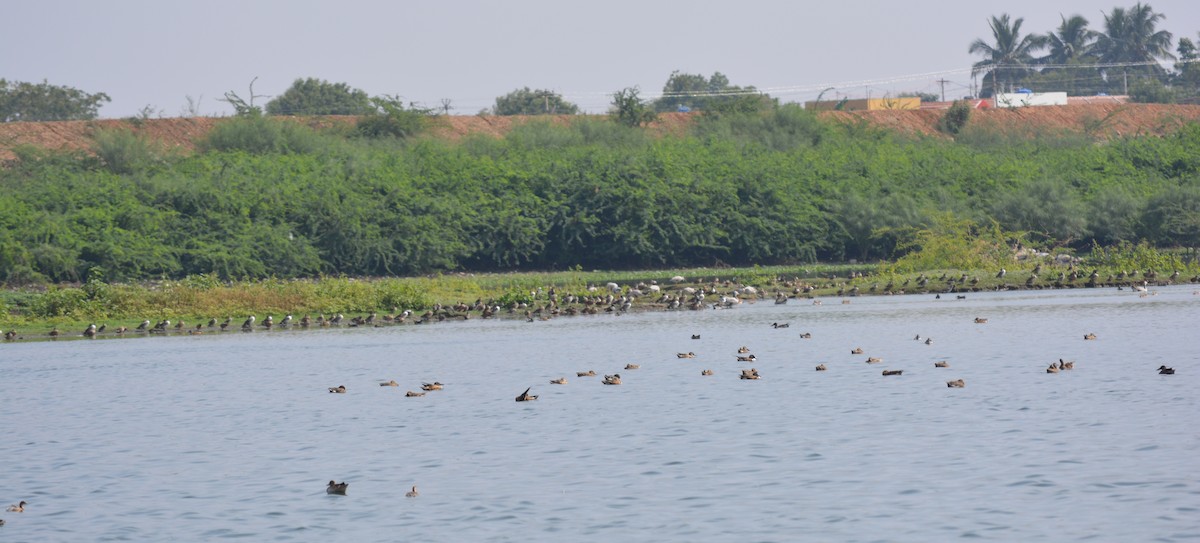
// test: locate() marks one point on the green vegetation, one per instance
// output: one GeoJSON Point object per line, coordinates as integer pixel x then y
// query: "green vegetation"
{"type": "Point", "coordinates": [390, 119]}
{"type": "Point", "coordinates": [1124, 58]}
{"type": "Point", "coordinates": [630, 110]}
{"type": "Point", "coordinates": [533, 102]}
{"type": "Point", "coordinates": [712, 94]}
{"type": "Point", "coordinates": [312, 96]}
{"type": "Point", "coordinates": [955, 118]}
{"type": "Point", "coordinates": [267, 197]}
{"type": "Point", "coordinates": [22, 101]}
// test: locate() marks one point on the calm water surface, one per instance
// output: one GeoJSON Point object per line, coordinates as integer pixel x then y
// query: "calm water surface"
{"type": "Point", "coordinates": [234, 435]}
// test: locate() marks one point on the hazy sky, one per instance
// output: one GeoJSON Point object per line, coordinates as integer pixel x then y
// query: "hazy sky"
{"type": "Point", "coordinates": [157, 52]}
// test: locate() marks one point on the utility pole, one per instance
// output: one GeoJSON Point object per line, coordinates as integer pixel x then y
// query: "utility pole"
{"type": "Point", "coordinates": [943, 83]}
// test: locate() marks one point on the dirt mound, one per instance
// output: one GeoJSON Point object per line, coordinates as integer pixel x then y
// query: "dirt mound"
{"type": "Point", "coordinates": [1098, 120]}
{"type": "Point", "coordinates": [1104, 120]}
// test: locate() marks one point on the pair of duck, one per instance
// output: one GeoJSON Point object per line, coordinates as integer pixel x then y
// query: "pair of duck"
{"type": "Point", "coordinates": [750, 374]}
{"type": "Point", "coordinates": [614, 379]}
{"type": "Point", "coordinates": [1061, 365]}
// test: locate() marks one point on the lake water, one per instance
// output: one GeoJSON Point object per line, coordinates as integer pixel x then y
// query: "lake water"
{"type": "Point", "coordinates": [234, 435]}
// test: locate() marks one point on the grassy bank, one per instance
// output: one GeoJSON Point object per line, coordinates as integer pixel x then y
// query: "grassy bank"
{"type": "Point", "coordinates": [195, 300]}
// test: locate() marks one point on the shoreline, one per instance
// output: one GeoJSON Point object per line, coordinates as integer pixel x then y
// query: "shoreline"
{"type": "Point", "coordinates": [558, 300]}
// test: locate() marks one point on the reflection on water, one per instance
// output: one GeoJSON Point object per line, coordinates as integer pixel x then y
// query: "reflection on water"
{"type": "Point", "coordinates": [235, 435]}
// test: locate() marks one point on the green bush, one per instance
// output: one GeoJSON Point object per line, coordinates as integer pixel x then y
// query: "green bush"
{"type": "Point", "coordinates": [259, 135]}
{"type": "Point", "coordinates": [390, 119]}
{"type": "Point", "coordinates": [123, 152]}
{"type": "Point", "coordinates": [61, 302]}
{"type": "Point", "coordinates": [955, 118]}
{"type": "Point", "coordinates": [401, 296]}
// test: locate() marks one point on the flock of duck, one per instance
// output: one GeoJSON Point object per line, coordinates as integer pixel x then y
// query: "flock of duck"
{"type": "Point", "coordinates": [611, 298]}
{"type": "Point", "coordinates": [614, 300]}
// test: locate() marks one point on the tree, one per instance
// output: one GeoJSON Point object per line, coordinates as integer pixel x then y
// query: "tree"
{"type": "Point", "coordinates": [1130, 37]}
{"type": "Point", "coordinates": [21, 101]}
{"type": "Point", "coordinates": [389, 118]}
{"type": "Point", "coordinates": [924, 96]}
{"type": "Point", "coordinates": [955, 118]}
{"type": "Point", "coordinates": [629, 109]}
{"type": "Point", "coordinates": [714, 93]}
{"type": "Point", "coordinates": [533, 102]}
{"type": "Point", "coordinates": [241, 106]}
{"type": "Point", "coordinates": [1071, 43]}
{"type": "Point", "coordinates": [1010, 58]}
{"type": "Point", "coordinates": [312, 96]}
{"type": "Point", "coordinates": [1188, 67]}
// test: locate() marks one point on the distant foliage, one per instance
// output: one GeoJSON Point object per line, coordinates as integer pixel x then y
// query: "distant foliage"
{"type": "Point", "coordinates": [954, 243]}
{"type": "Point", "coordinates": [785, 128]}
{"type": "Point", "coordinates": [261, 135]}
{"type": "Point", "coordinates": [390, 119]}
{"type": "Point", "coordinates": [629, 109]}
{"type": "Point", "coordinates": [124, 152]}
{"type": "Point", "coordinates": [268, 197]}
{"type": "Point", "coordinates": [1136, 256]}
{"type": "Point", "coordinates": [312, 96]}
{"type": "Point", "coordinates": [712, 94]}
{"type": "Point", "coordinates": [955, 118]}
{"type": "Point", "coordinates": [21, 101]}
{"type": "Point", "coordinates": [533, 102]}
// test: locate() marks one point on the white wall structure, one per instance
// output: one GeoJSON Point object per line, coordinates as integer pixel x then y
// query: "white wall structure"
{"type": "Point", "coordinates": [1026, 99]}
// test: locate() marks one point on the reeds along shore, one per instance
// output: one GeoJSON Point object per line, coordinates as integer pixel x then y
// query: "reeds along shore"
{"type": "Point", "coordinates": [197, 308]}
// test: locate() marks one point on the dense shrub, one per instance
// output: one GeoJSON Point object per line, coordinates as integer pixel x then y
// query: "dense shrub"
{"type": "Point", "coordinates": [272, 198]}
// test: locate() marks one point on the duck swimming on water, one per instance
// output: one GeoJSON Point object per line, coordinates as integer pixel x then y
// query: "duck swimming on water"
{"type": "Point", "coordinates": [337, 488]}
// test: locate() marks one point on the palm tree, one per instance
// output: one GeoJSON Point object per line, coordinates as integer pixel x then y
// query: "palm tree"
{"type": "Point", "coordinates": [1071, 42]}
{"type": "Point", "coordinates": [1011, 56]}
{"type": "Point", "coordinates": [1069, 48]}
{"type": "Point", "coordinates": [1130, 37]}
